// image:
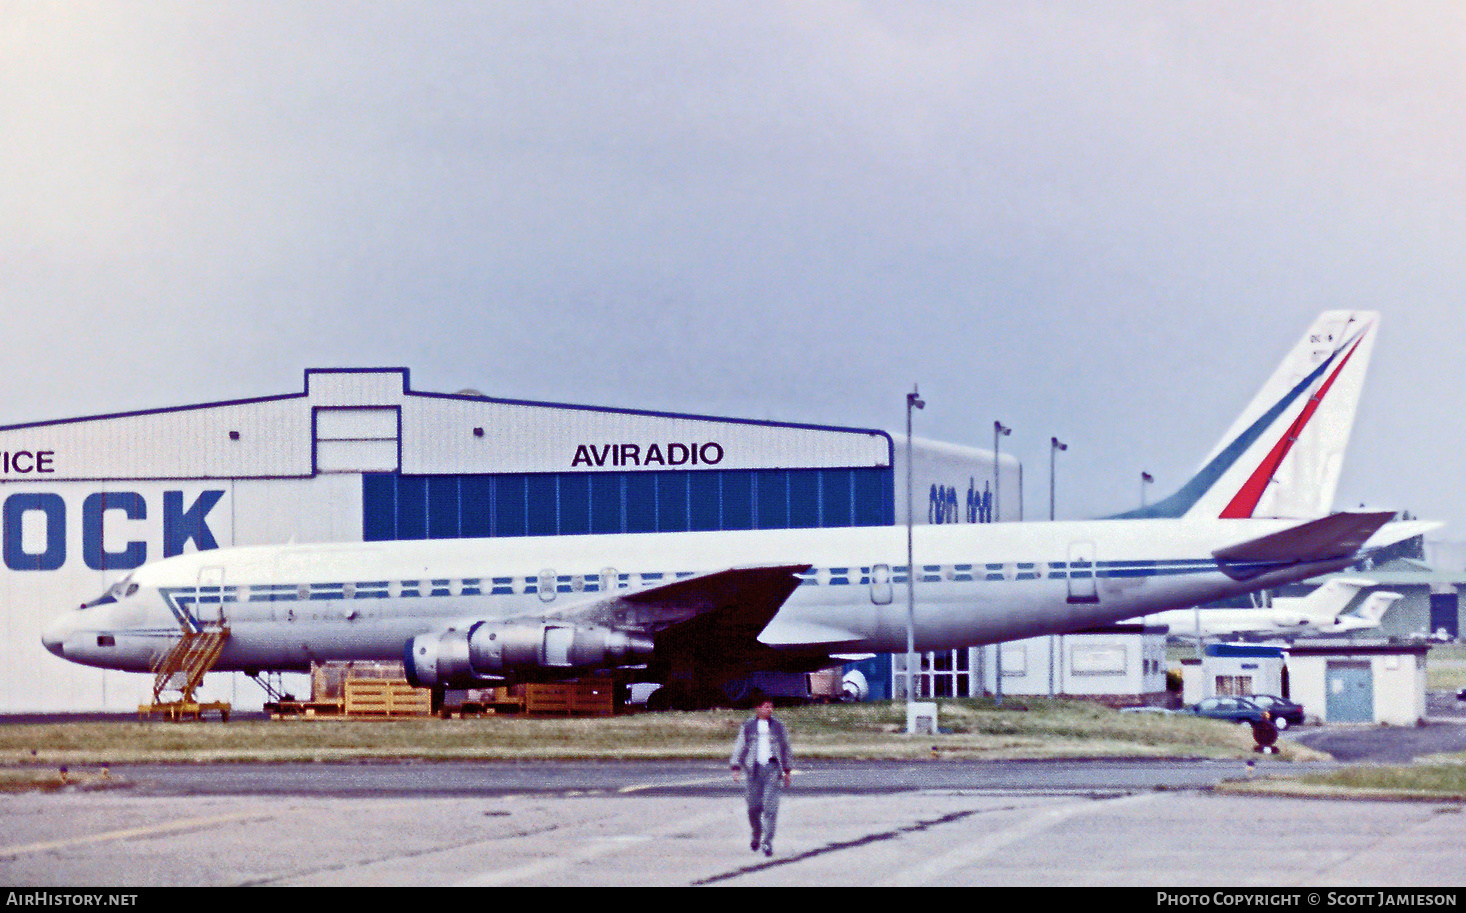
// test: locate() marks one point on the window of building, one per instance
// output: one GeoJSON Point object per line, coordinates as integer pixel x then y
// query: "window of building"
{"type": "Point", "coordinates": [943, 673]}
{"type": "Point", "coordinates": [397, 506]}
{"type": "Point", "coordinates": [1233, 685]}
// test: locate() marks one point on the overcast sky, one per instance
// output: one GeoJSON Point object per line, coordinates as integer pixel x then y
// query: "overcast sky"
{"type": "Point", "coordinates": [1103, 221]}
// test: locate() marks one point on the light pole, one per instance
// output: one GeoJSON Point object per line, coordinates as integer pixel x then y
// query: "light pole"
{"type": "Point", "coordinates": [999, 430]}
{"type": "Point", "coordinates": [1145, 479]}
{"type": "Point", "coordinates": [913, 401]}
{"type": "Point", "coordinates": [1055, 445]}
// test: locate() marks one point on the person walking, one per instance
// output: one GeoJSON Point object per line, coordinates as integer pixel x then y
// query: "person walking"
{"type": "Point", "coordinates": [1265, 733]}
{"type": "Point", "coordinates": [762, 750]}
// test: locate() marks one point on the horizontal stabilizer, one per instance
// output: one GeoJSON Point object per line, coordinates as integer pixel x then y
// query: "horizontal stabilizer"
{"type": "Point", "coordinates": [1391, 533]}
{"type": "Point", "coordinates": [1331, 538]}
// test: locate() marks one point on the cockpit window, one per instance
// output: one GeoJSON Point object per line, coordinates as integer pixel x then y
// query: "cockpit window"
{"type": "Point", "coordinates": [119, 590]}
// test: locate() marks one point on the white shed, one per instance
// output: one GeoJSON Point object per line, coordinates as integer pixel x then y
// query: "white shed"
{"type": "Point", "coordinates": [1355, 683]}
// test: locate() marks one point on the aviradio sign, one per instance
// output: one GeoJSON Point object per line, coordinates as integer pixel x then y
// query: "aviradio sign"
{"type": "Point", "coordinates": [107, 530]}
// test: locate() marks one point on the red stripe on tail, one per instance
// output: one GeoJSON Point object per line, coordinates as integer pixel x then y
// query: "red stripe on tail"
{"type": "Point", "coordinates": [1245, 501]}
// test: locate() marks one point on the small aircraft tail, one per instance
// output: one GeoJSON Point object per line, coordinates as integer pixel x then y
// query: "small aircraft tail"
{"type": "Point", "coordinates": [1283, 455]}
{"type": "Point", "coordinates": [1328, 601]}
{"type": "Point", "coordinates": [1375, 606]}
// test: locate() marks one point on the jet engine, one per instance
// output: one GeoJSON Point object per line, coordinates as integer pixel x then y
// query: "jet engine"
{"type": "Point", "coordinates": [485, 653]}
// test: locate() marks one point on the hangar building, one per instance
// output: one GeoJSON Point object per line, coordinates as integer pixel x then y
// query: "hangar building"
{"type": "Point", "coordinates": [359, 455]}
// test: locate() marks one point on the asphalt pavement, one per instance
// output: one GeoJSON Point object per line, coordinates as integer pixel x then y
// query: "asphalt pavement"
{"type": "Point", "coordinates": [1083, 822]}
{"type": "Point", "coordinates": [926, 823]}
{"type": "Point", "coordinates": [1444, 730]}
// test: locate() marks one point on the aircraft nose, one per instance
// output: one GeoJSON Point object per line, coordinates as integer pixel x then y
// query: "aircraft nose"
{"type": "Point", "coordinates": [54, 637]}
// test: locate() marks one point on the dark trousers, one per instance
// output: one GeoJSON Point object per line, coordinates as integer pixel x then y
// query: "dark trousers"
{"type": "Point", "coordinates": [765, 781]}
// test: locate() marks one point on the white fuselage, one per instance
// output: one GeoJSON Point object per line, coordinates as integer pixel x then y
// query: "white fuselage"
{"type": "Point", "coordinates": [287, 606]}
{"type": "Point", "coordinates": [1219, 622]}
{"type": "Point", "coordinates": [1318, 613]}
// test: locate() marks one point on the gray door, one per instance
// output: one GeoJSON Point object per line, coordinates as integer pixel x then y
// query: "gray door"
{"type": "Point", "coordinates": [209, 597]}
{"type": "Point", "coordinates": [1350, 692]}
{"type": "Point", "coordinates": [1082, 573]}
{"type": "Point", "coordinates": [880, 584]}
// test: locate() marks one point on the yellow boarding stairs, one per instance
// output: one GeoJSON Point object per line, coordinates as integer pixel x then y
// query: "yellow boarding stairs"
{"type": "Point", "coordinates": [182, 669]}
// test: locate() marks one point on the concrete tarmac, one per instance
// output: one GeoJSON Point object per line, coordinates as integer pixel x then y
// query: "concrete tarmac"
{"type": "Point", "coordinates": [669, 824]}
{"type": "Point", "coordinates": [1088, 823]}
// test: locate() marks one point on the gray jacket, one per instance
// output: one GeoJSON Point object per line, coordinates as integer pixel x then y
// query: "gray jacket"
{"type": "Point", "coordinates": [747, 743]}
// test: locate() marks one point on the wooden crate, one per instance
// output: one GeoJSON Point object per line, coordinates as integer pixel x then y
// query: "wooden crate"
{"type": "Point", "coordinates": [384, 697]}
{"type": "Point", "coordinates": [328, 680]}
{"type": "Point", "coordinates": [587, 697]}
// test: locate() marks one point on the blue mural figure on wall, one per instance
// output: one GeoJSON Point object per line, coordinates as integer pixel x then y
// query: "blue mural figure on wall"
{"type": "Point", "coordinates": [942, 505]}
{"type": "Point", "coordinates": [979, 503]}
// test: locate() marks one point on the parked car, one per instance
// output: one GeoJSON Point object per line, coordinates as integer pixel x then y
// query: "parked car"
{"type": "Point", "coordinates": [1285, 712]}
{"type": "Point", "coordinates": [1231, 709]}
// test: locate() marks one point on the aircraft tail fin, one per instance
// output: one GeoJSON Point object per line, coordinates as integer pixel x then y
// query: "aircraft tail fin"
{"type": "Point", "coordinates": [1375, 605]}
{"type": "Point", "coordinates": [1332, 598]}
{"type": "Point", "coordinates": [1283, 455]}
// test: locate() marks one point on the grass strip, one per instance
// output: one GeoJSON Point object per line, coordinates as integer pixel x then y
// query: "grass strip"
{"type": "Point", "coordinates": [1440, 778]}
{"type": "Point", "coordinates": [971, 729]}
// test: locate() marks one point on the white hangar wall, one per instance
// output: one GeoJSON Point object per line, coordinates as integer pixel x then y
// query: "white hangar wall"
{"type": "Point", "coordinates": [359, 455]}
{"type": "Point", "coordinates": [956, 484]}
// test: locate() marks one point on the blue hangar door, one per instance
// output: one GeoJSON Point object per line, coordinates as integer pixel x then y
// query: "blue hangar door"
{"type": "Point", "coordinates": [1350, 692]}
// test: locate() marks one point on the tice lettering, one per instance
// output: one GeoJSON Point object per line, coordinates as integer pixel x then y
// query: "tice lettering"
{"type": "Point", "coordinates": [27, 462]}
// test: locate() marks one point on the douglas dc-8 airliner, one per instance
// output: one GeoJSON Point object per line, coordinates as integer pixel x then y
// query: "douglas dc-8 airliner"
{"type": "Point", "coordinates": [694, 610]}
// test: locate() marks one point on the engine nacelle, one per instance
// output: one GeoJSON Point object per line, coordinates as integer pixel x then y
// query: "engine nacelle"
{"type": "Point", "coordinates": [854, 686]}
{"type": "Point", "coordinates": [487, 653]}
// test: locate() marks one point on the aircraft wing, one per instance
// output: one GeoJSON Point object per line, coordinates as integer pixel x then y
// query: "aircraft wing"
{"type": "Point", "coordinates": [705, 619]}
{"type": "Point", "coordinates": [731, 605]}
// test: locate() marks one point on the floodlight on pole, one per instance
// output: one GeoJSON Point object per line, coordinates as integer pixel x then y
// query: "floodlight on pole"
{"type": "Point", "coordinates": [913, 402]}
{"type": "Point", "coordinates": [1055, 445]}
{"type": "Point", "coordinates": [1000, 430]}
